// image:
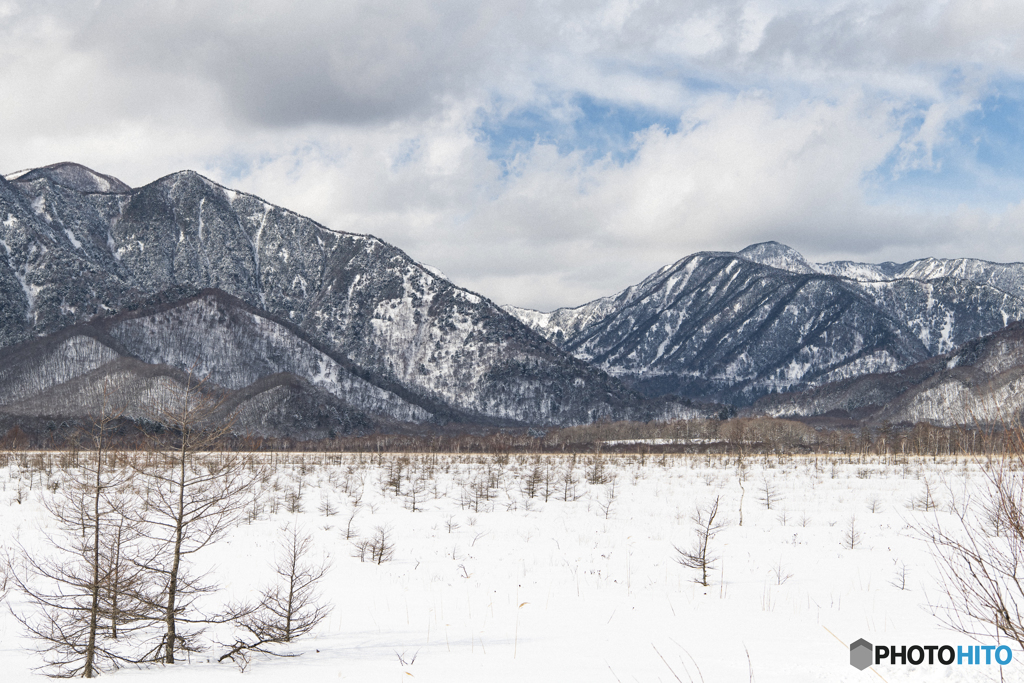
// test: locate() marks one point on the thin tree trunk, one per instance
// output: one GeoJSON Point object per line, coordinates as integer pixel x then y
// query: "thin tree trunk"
{"type": "Point", "coordinates": [90, 648]}
{"type": "Point", "coordinates": [172, 583]}
{"type": "Point", "coordinates": [291, 605]}
{"type": "Point", "coordinates": [115, 581]}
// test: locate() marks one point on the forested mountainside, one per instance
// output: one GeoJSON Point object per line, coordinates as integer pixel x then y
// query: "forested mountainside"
{"type": "Point", "coordinates": [320, 331]}
{"type": "Point", "coordinates": [80, 247]}
{"type": "Point", "coordinates": [737, 326]}
{"type": "Point", "coordinates": [981, 382]}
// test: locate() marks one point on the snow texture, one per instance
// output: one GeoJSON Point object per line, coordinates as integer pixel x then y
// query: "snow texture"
{"type": "Point", "coordinates": [596, 596]}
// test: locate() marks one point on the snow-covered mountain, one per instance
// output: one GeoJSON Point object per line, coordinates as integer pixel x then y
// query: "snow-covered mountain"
{"type": "Point", "coordinates": [736, 326]}
{"type": "Point", "coordinates": [979, 382]}
{"type": "Point", "coordinates": [279, 381]}
{"type": "Point", "coordinates": [184, 274]}
{"type": "Point", "coordinates": [79, 244]}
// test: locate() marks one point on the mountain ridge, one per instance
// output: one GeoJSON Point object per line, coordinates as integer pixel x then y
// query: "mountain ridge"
{"type": "Point", "coordinates": [82, 248]}
{"type": "Point", "coordinates": [71, 255]}
{"type": "Point", "coordinates": [901, 315]}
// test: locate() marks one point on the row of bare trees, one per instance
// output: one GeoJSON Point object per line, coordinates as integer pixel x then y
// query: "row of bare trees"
{"type": "Point", "coordinates": [117, 586]}
{"type": "Point", "coordinates": [746, 435]}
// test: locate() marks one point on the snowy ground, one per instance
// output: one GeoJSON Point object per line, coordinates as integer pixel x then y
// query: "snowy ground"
{"type": "Point", "coordinates": [489, 584]}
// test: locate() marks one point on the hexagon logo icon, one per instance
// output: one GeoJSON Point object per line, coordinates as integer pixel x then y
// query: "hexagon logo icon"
{"type": "Point", "coordinates": [861, 654]}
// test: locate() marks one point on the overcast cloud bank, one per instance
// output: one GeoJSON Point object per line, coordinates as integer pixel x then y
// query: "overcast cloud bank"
{"type": "Point", "coordinates": [548, 156]}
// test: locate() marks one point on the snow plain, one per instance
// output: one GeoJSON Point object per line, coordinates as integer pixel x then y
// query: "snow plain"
{"type": "Point", "coordinates": [489, 584]}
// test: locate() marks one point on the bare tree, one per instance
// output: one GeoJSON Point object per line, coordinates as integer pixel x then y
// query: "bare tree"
{"type": "Point", "coordinates": [699, 555]}
{"type": "Point", "coordinates": [5, 578]}
{"type": "Point", "coordinates": [86, 615]}
{"type": "Point", "coordinates": [926, 501]}
{"type": "Point", "coordinates": [417, 490]}
{"type": "Point", "coordinates": [900, 579]}
{"type": "Point", "coordinates": [326, 507]}
{"type": "Point", "coordinates": [768, 493]}
{"type": "Point", "coordinates": [195, 493]}
{"type": "Point", "coordinates": [548, 481]}
{"type": "Point", "coordinates": [293, 499]}
{"type": "Point", "coordinates": [350, 530]}
{"type": "Point", "coordinates": [530, 485]}
{"type": "Point", "coordinates": [290, 608]}
{"type": "Point", "coordinates": [381, 547]}
{"type": "Point", "coordinates": [851, 537]}
{"type": "Point", "coordinates": [981, 553]}
{"type": "Point", "coordinates": [476, 492]}
{"type": "Point", "coordinates": [569, 481]}
{"type": "Point", "coordinates": [610, 494]}
{"type": "Point", "coordinates": [361, 546]}
{"type": "Point", "coordinates": [781, 573]}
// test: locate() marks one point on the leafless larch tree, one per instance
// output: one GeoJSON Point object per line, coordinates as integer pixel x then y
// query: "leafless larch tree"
{"type": "Point", "coordinates": [291, 607]}
{"type": "Point", "coordinates": [87, 617]}
{"type": "Point", "coordinates": [194, 493]}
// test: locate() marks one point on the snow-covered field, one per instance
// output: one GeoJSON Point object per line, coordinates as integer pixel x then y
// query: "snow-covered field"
{"type": "Point", "coordinates": [490, 584]}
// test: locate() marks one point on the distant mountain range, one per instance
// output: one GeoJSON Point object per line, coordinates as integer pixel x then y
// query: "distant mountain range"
{"type": "Point", "coordinates": [734, 327]}
{"type": "Point", "coordinates": [310, 332]}
{"type": "Point", "coordinates": [323, 330]}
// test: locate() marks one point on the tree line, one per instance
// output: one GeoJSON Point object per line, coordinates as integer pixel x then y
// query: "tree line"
{"type": "Point", "coordinates": [753, 435]}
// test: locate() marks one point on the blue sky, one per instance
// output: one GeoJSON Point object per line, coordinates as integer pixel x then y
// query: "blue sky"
{"type": "Point", "coordinates": [979, 161]}
{"type": "Point", "coordinates": [592, 128]}
{"type": "Point", "coordinates": [548, 154]}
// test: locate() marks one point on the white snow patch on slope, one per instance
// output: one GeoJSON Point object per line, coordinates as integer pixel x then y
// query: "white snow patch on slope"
{"type": "Point", "coordinates": [470, 297]}
{"type": "Point", "coordinates": [946, 338]}
{"type": "Point", "coordinates": [74, 240]}
{"type": "Point", "coordinates": [39, 206]}
{"type": "Point", "coordinates": [861, 272]}
{"type": "Point", "coordinates": [436, 272]}
{"type": "Point", "coordinates": [17, 174]}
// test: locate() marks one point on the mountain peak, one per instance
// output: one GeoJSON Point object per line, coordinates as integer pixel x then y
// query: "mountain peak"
{"type": "Point", "coordinates": [73, 176]}
{"type": "Point", "coordinates": [777, 255]}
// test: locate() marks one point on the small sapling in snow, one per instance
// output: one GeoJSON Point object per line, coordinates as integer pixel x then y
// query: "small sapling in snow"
{"type": "Point", "coordinates": [699, 556]}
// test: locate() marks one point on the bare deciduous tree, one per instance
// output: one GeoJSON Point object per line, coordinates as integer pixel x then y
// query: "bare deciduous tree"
{"type": "Point", "coordinates": [5, 578]}
{"type": "Point", "coordinates": [195, 493]}
{"type": "Point", "coordinates": [610, 494]}
{"type": "Point", "coordinates": [416, 492]}
{"type": "Point", "coordinates": [326, 507]}
{"type": "Point", "coordinates": [851, 537]}
{"type": "Point", "coordinates": [569, 481]}
{"type": "Point", "coordinates": [768, 493]}
{"type": "Point", "coordinates": [699, 556]}
{"type": "Point", "coordinates": [980, 555]}
{"type": "Point", "coordinates": [290, 608]}
{"type": "Point", "coordinates": [900, 578]}
{"type": "Point", "coordinates": [381, 547]}
{"type": "Point", "coordinates": [87, 615]}
{"type": "Point", "coordinates": [530, 485]}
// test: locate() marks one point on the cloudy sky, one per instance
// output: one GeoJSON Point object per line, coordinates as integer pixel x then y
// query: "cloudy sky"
{"type": "Point", "coordinates": [547, 153]}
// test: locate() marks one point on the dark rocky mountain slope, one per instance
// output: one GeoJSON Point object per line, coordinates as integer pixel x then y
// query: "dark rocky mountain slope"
{"type": "Point", "coordinates": [979, 382]}
{"type": "Point", "coordinates": [736, 326]}
{"type": "Point", "coordinates": [78, 244]}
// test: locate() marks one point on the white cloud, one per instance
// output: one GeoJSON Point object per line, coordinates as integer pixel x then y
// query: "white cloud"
{"type": "Point", "coordinates": [364, 115]}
